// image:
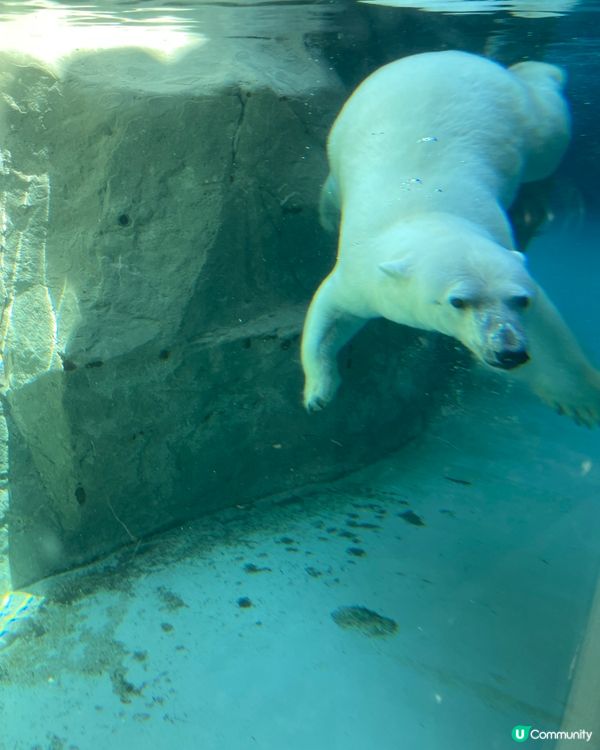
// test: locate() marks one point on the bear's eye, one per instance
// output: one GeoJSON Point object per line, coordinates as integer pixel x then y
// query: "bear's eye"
{"type": "Point", "coordinates": [521, 301]}
{"type": "Point", "coordinates": [458, 302]}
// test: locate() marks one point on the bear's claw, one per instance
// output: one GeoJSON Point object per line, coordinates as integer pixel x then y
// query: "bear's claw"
{"type": "Point", "coordinates": [319, 392]}
{"type": "Point", "coordinates": [585, 416]}
{"type": "Point", "coordinates": [315, 404]}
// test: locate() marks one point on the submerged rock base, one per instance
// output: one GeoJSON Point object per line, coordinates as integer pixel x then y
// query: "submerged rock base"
{"type": "Point", "coordinates": [161, 244]}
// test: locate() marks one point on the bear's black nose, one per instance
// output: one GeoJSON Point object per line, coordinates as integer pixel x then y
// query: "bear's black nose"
{"type": "Point", "coordinates": [508, 358]}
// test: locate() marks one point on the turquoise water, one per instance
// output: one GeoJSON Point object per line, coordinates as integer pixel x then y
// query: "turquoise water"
{"type": "Point", "coordinates": [187, 557]}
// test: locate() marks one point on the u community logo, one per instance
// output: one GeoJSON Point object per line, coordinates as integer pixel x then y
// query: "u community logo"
{"type": "Point", "coordinates": [522, 732]}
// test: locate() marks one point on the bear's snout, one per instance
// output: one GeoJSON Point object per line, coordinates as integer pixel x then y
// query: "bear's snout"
{"type": "Point", "coordinates": [508, 359]}
{"type": "Point", "coordinates": [506, 343]}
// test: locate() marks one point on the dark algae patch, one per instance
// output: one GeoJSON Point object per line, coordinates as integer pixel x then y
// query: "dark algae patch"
{"type": "Point", "coordinates": [348, 535]}
{"type": "Point", "coordinates": [313, 572]}
{"type": "Point", "coordinates": [448, 512]}
{"type": "Point", "coordinates": [356, 551]}
{"type": "Point", "coordinates": [364, 620]}
{"type": "Point", "coordinates": [122, 687]}
{"type": "Point", "coordinates": [252, 568]}
{"type": "Point", "coordinates": [362, 525]}
{"type": "Point", "coordinates": [411, 517]}
{"type": "Point", "coordinates": [457, 480]}
{"type": "Point", "coordinates": [170, 600]}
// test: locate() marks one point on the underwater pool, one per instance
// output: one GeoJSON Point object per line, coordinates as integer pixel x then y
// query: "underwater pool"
{"type": "Point", "coordinates": [299, 402]}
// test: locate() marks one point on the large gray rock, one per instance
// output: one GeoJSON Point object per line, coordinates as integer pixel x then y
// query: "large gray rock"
{"type": "Point", "coordinates": [160, 245]}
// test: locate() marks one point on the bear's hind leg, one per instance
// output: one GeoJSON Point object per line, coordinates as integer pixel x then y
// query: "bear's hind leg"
{"type": "Point", "coordinates": [559, 371]}
{"type": "Point", "coordinates": [326, 330]}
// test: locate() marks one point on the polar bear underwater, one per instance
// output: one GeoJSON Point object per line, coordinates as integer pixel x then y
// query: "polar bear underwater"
{"type": "Point", "coordinates": [425, 159]}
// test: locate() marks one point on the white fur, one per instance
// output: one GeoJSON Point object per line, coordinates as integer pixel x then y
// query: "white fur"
{"type": "Point", "coordinates": [425, 158]}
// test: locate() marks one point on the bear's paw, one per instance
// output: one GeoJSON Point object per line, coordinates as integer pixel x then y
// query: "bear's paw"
{"type": "Point", "coordinates": [318, 392]}
{"type": "Point", "coordinates": [581, 403]}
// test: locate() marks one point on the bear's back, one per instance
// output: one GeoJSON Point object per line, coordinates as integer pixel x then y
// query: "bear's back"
{"type": "Point", "coordinates": [436, 117]}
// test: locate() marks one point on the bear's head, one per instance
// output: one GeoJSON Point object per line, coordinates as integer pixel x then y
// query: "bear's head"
{"type": "Point", "coordinates": [469, 287]}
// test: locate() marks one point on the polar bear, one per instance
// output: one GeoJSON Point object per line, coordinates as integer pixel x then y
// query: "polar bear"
{"type": "Point", "coordinates": [425, 158]}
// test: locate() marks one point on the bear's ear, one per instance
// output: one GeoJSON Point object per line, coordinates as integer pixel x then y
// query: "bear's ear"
{"type": "Point", "coordinates": [518, 255]}
{"type": "Point", "coordinates": [399, 269]}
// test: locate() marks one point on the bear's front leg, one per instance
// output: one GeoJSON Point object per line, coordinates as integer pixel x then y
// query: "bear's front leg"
{"type": "Point", "coordinates": [326, 330]}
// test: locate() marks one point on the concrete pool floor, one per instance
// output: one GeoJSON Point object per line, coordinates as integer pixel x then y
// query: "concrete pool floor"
{"type": "Point", "coordinates": [479, 542]}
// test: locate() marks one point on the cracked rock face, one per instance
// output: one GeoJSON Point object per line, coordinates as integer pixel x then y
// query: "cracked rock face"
{"type": "Point", "coordinates": [160, 243]}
